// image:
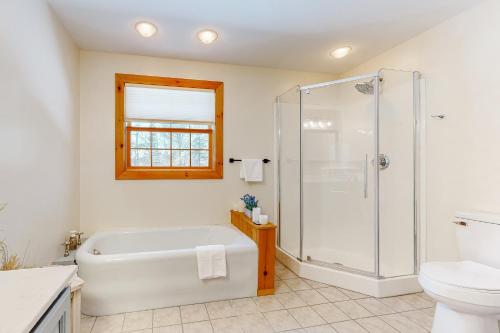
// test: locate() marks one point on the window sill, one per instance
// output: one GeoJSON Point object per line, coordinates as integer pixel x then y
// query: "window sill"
{"type": "Point", "coordinates": [145, 174]}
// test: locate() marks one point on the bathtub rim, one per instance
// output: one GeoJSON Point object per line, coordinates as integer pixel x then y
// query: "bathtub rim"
{"type": "Point", "coordinates": [85, 256]}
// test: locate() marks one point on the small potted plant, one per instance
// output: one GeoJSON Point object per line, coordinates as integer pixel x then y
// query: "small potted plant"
{"type": "Point", "coordinates": [250, 204]}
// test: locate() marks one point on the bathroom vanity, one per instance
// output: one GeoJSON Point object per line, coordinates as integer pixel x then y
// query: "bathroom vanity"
{"type": "Point", "coordinates": [36, 300]}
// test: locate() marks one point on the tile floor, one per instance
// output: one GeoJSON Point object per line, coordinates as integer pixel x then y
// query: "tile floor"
{"type": "Point", "coordinates": [299, 306]}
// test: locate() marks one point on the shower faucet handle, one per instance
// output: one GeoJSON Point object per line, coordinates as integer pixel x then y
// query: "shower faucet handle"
{"type": "Point", "coordinates": [383, 161]}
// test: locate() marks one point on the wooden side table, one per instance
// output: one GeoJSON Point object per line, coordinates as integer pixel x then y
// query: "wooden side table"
{"type": "Point", "coordinates": [264, 235]}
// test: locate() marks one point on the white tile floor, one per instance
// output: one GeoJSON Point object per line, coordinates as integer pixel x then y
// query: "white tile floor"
{"type": "Point", "coordinates": [299, 306]}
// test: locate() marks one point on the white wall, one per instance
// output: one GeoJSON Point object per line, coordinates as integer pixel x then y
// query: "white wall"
{"type": "Point", "coordinates": [39, 146]}
{"type": "Point", "coordinates": [460, 61]}
{"type": "Point", "coordinates": [249, 95]}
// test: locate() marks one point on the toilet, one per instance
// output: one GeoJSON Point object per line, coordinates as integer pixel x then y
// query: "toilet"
{"type": "Point", "coordinates": [467, 292]}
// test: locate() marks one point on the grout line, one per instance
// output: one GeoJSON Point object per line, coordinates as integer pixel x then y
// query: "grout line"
{"type": "Point", "coordinates": [361, 305]}
{"type": "Point", "coordinates": [343, 321]}
{"type": "Point", "coordinates": [390, 324]}
{"type": "Point", "coordinates": [340, 291]}
{"type": "Point", "coordinates": [366, 329]}
{"type": "Point", "coordinates": [378, 317]}
{"type": "Point", "coordinates": [211, 324]}
{"type": "Point", "coordinates": [180, 317]}
{"type": "Point", "coordinates": [93, 324]}
{"type": "Point", "coordinates": [123, 322]}
{"type": "Point", "coordinates": [152, 319]}
{"type": "Point", "coordinates": [416, 323]}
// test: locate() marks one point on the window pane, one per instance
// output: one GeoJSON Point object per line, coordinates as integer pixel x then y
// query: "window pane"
{"type": "Point", "coordinates": [179, 125]}
{"type": "Point", "coordinates": [180, 158]}
{"type": "Point", "coordinates": [161, 125]}
{"type": "Point", "coordinates": [161, 158]}
{"type": "Point", "coordinates": [140, 139]}
{"type": "Point", "coordinates": [199, 126]}
{"type": "Point", "coordinates": [199, 141]}
{"type": "Point", "coordinates": [180, 140]}
{"type": "Point", "coordinates": [140, 157]}
{"type": "Point", "coordinates": [160, 139]}
{"type": "Point", "coordinates": [140, 124]}
{"type": "Point", "coordinates": [199, 158]}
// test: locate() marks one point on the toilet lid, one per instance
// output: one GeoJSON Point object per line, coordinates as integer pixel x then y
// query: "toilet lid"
{"type": "Point", "coordinates": [465, 274]}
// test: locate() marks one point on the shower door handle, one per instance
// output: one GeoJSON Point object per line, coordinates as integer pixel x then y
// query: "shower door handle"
{"type": "Point", "coordinates": [365, 175]}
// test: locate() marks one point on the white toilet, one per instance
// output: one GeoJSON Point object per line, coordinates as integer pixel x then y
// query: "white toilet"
{"type": "Point", "coordinates": [467, 292]}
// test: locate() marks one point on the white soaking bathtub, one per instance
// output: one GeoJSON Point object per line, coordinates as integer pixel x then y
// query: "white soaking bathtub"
{"type": "Point", "coordinates": [155, 268]}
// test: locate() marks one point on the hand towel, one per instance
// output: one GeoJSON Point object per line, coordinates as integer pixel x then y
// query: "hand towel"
{"type": "Point", "coordinates": [251, 170]}
{"type": "Point", "coordinates": [211, 261]}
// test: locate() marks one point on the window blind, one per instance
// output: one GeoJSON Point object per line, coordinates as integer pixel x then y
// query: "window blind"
{"type": "Point", "coordinates": [169, 103]}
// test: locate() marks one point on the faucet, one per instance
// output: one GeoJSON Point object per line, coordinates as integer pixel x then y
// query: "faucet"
{"type": "Point", "coordinates": [74, 241]}
{"type": "Point", "coordinates": [79, 238]}
{"type": "Point", "coordinates": [66, 248]}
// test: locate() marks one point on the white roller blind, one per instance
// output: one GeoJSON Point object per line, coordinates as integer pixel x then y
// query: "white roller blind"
{"type": "Point", "coordinates": [169, 103]}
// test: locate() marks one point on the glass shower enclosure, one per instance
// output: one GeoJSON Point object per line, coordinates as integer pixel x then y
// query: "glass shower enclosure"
{"type": "Point", "coordinates": [348, 174]}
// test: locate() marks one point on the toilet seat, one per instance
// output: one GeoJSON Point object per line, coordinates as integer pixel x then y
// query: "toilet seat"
{"type": "Point", "coordinates": [463, 281]}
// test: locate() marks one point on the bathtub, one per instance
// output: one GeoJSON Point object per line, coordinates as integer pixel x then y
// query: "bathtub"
{"type": "Point", "coordinates": [156, 268]}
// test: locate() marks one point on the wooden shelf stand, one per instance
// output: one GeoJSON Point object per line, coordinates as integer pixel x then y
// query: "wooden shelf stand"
{"type": "Point", "coordinates": [265, 237]}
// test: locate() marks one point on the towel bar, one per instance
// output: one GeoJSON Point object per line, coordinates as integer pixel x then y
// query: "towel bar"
{"type": "Point", "coordinates": [232, 160]}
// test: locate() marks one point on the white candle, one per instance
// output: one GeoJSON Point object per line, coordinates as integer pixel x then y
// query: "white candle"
{"type": "Point", "coordinates": [255, 214]}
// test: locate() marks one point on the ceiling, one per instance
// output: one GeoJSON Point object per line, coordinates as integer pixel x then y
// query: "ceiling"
{"type": "Point", "coordinates": [289, 34]}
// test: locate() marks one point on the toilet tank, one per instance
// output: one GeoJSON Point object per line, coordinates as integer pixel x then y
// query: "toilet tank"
{"type": "Point", "coordinates": [478, 236]}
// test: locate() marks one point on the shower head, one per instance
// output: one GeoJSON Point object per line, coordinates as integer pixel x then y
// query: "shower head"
{"type": "Point", "coordinates": [365, 88]}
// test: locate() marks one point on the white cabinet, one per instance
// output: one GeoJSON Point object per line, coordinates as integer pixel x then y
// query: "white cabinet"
{"type": "Point", "coordinates": [36, 300]}
{"type": "Point", "coordinates": [57, 318]}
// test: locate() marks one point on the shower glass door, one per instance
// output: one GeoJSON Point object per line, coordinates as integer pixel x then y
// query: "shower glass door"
{"type": "Point", "coordinates": [339, 175]}
{"type": "Point", "coordinates": [397, 183]}
{"type": "Point", "coordinates": [288, 131]}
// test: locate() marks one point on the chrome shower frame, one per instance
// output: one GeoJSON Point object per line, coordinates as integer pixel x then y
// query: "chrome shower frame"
{"type": "Point", "coordinates": [376, 77]}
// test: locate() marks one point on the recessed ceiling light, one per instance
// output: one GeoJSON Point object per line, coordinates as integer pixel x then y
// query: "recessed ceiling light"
{"type": "Point", "coordinates": [341, 52]}
{"type": "Point", "coordinates": [146, 29]}
{"type": "Point", "coordinates": [207, 36]}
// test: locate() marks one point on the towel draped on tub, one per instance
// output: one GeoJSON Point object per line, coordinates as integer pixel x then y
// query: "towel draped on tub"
{"type": "Point", "coordinates": [211, 261]}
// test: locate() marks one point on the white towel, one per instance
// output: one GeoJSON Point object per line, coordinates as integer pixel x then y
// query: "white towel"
{"type": "Point", "coordinates": [211, 261]}
{"type": "Point", "coordinates": [251, 170]}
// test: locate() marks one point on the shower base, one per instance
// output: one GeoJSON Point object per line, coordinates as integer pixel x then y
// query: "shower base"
{"type": "Point", "coordinates": [376, 287]}
{"type": "Point", "coordinates": [344, 259]}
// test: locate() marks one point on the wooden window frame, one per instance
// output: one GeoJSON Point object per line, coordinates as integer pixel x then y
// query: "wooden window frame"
{"type": "Point", "coordinates": [123, 169]}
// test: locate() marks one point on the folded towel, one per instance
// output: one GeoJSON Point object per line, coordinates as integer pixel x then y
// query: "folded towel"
{"type": "Point", "coordinates": [211, 261]}
{"type": "Point", "coordinates": [251, 170]}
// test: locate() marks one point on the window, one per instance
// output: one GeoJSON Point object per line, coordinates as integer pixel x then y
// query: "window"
{"type": "Point", "coordinates": [168, 128]}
